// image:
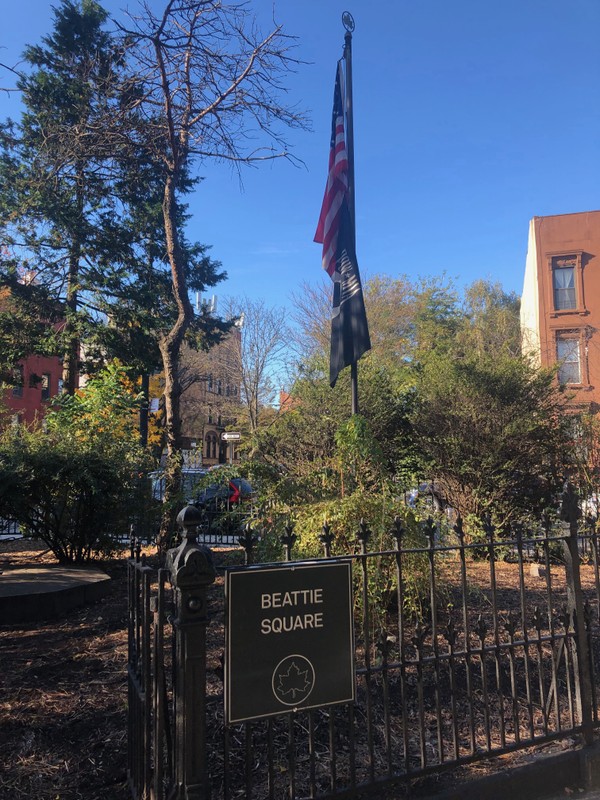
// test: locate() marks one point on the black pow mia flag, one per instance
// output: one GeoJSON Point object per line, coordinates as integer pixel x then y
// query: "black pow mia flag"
{"type": "Point", "coordinates": [349, 329]}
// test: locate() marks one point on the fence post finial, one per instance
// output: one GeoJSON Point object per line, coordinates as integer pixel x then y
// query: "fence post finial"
{"type": "Point", "coordinates": [288, 540]}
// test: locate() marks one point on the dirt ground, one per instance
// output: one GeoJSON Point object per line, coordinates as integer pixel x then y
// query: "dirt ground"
{"type": "Point", "coordinates": [63, 695]}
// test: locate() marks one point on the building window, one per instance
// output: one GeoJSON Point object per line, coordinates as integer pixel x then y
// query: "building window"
{"type": "Point", "coordinates": [210, 442]}
{"type": "Point", "coordinates": [568, 355]}
{"type": "Point", "coordinates": [18, 378]}
{"type": "Point", "coordinates": [46, 386]}
{"type": "Point", "coordinates": [566, 285]}
{"type": "Point", "coordinates": [563, 283]}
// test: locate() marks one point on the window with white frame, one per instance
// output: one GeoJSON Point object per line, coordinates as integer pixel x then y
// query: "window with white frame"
{"type": "Point", "coordinates": [563, 283]}
{"type": "Point", "coordinates": [568, 355]}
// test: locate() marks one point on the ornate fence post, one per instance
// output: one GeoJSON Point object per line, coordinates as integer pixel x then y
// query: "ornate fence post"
{"type": "Point", "coordinates": [288, 540]}
{"type": "Point", "coordinates": [192, 572]}
{"type": "Point", "coordinates": [570, 513]}
{"type": "Point", "coordinates": [248, 541]}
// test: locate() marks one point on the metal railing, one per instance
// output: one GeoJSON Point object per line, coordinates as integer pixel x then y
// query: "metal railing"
{"type": "Point", "coordinates": [459, 657]}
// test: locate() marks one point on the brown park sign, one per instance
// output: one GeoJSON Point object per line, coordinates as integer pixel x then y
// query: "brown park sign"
{"type": "Point", "coordinates": [290, 638]}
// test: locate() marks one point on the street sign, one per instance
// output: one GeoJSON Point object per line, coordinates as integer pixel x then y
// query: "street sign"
{"type": "Point", "coordinates": [230, 436]}
{"type": "Point", "coordinates": [290, 638]}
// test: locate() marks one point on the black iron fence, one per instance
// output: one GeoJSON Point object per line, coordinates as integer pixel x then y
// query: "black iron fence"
{"type": "Point", "coordinates": [9, 529]}
{"type": "Point", "coordinates": [463, 650]}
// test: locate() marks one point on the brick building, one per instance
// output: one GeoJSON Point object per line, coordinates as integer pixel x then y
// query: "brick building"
{"type": "Point", "coordinates": [560, 304]}
{"type": "Point", "coordinates": [212, 393]}
{"type": "Point", "coordinates": [37, 380]}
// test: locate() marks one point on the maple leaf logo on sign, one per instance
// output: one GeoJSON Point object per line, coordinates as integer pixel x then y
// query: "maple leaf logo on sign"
{"type": "Point", "coordinates": [293, 680]}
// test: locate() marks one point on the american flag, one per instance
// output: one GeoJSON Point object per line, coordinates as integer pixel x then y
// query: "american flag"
{"type": "Point", "coordinates": [337, 181]}
{"type": "Point", "coordinates": [349, 328]}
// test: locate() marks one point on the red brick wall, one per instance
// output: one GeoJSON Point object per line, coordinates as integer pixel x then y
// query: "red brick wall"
{"type": "Point", "coordinates": [30, 405]}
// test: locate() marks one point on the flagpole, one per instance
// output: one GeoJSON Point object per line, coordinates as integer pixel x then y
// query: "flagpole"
{"type": "Point", "coordinates": [336, 231]}
{"type": "Point", "coordinates": [348, 23]}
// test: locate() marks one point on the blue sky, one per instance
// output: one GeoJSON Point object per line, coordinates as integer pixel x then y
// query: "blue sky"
{"type": "Point", "coordinates": [470, 118]}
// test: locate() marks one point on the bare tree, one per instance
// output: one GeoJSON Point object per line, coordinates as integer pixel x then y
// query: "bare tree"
{"type": "Point", "coordinates": [205, 83]}
{"type": "Point", "coordinates": [312, 317]}
{"type": "Point", "coordinates": [261, 355]}
{"type": "Point", "coordinates": [14, 71]}
{"type": "Point", "coordinates": [400, 312]}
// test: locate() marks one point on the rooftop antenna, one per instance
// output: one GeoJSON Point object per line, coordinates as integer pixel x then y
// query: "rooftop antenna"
{"type": "Point", "coordinates": [208, 306]}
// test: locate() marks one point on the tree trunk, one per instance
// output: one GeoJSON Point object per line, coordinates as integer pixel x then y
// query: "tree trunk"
{"type": "Point", "coordinates": [144, 409]}
{"type": "Point", "coordinates": [71, 352]}
{"type": "Point", "coordinates": [170, 349]}
{"type": "Point", "coordinates": [70, 369]}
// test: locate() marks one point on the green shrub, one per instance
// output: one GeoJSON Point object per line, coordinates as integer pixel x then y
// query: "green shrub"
{"type": "Point", "coordinates": [344, 518]}
{"type": "Point", "coordinates": [77, 483]}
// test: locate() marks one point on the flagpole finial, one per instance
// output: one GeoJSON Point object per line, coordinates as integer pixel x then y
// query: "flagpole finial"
{"type": "Point", "coordinates": [348, 21]}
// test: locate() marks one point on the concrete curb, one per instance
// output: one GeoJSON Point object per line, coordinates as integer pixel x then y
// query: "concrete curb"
{"type": "Point", "coordinates": [39, 593]}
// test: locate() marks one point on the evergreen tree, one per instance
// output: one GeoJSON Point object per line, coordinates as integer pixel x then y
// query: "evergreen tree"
{"type": "Point", "coordinates": [60, 213]}
{"type": "Point", "coordinates": [86, 272]}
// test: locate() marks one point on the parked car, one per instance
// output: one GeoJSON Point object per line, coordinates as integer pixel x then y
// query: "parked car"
{"type": "Point", "coordinates": [224, 494]}
{"type": "Point", "coordinates": [226, 506]}
{"type": "Point", "coordinates": [191, 478]}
